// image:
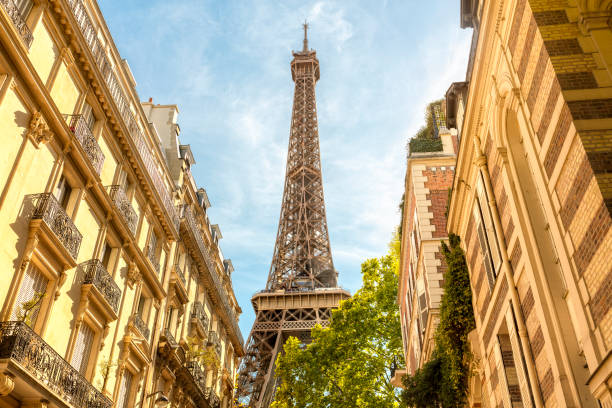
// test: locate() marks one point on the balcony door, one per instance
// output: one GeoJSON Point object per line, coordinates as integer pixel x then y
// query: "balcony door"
{"type": "Point", "coordinates": [82, 348]}
{"type": "Point", "coordinates": [30, 296]}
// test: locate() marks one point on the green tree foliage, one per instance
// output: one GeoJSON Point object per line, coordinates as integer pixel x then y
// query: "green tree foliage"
{"type": "Point", "coordinates": [423, 140]}
{"type": "Point", "coordinates": [348, 363]}
{"type": "Point", "coordinates": [443, 381]}
{"type": "Point", "coordinates": [205, 356]}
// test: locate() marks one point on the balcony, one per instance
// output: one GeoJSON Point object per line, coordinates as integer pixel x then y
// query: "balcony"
{"type": "Point", "coordinates": [180, 284]}
{"type": "Point", "coordinates": [169, 338]}
{"type": "Point", "coordinates": [195, 236]}
{"type": "Point", "coordinates": [88, 142]}
{"type": "Point", "coordinates": [39, 372]}
{"type": "Point", "coordinates": [213, 399]}
{"type": "Point", "coordinates": [141, 326]}
{"type": "Point", "coordinates": [199, 318]}
{"type": "Point", "coordinates": [95, 274]}
{"type": "Point", "coordinates": [214, 341]}
{"type": "Point", "coordinates": [197, 375]}
{"type": "Point", "coordinates": [20, 25]}
{"type": "Point", "coordinates": [121, 101]}
{"type": "Point", "coordinates": [54, 217]}
{"type": "Point", "coordinates": [124, 207]}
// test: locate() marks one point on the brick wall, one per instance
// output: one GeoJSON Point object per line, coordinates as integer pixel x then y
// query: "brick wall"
{"type": "Point", "coordinates": [558, 66]}
{"type": "Point", "coordinates": [439, 180]}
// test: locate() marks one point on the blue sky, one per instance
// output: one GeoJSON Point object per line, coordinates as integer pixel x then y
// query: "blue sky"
{"type": "Point", "coordinates": [226, 65]}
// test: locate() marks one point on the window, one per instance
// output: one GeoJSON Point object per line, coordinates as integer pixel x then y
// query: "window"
{"type": "Point", "coordinates": [62, 192]}
{"type": "Point", "coordinates": [29, 299]}
{"type": "Point", "coordinates": [141, 306]}
{"type": "Point", "coordinates": [82, 348]}
{"type": "Point", "coordinates": [153, 246]}
{"type": "Point", "coordinates": [424, 311]}
{"type": "Point", "coordinates": [88, 116]}
{"type": "Point", "coordinates": [125, 387]}
{"type": "Point", "coordinates": [105, 256]}
{"type": "Point", "coordinates": [486, 234]}
{"type": "Point", "coordinates": [24, 7]}
{"type": "Point", "coordinates": [171, 318]}
{"type": "Point", "coordinates": [127, 185]}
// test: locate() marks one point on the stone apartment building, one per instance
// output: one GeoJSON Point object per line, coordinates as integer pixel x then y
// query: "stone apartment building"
{"type": "Point", "coordinates": [532, 197]}
{"type": "Point", "coordinates": [429, 175]}
{"type": "Point", "coordinates": [115, 291]}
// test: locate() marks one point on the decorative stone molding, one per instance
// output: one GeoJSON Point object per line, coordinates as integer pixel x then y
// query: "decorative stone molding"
{"type": "Point", "coordinates": [60, 282]}
{"type": "Point", "coordinates": [7, 383]}
{"type": "Point", "coordinates": [595, 5]}
{"type": "Point", "coordinates": [133, 274]}
{"type": "Point", "coordinates": [39, 130]}
{"type": "Point", "coordinates": [67, 56]}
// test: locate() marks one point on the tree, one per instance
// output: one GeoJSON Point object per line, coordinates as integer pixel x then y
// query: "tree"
{"type": "Point", "coordinates": [443, 381]}
{"type": "Point", "coordinates": [348, 363]}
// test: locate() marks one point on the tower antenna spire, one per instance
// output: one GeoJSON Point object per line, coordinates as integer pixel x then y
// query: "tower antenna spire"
{"type": "Point", "coordinates": [305, 36]}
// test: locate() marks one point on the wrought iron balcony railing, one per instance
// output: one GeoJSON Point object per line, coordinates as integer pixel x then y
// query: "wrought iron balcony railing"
{"type": "Point", "coordinates": [22, 28]}
{"type": "Point", "coordinates": [141, 326]}
{"type": "Point", "coordinates": [33, 355]}
{"type": "Point", "coordinates": [214, 400]}
{"type": "Point", "coordinates": [79, 127]}
{"type": "Point", "coordinates": [98, 51]}
{"type": "Point", "coordinates": [124, 207]}
{"type": "Point", "coordinates": [169, 338]}
{"type": "Point", "coordinates": [48, 209]}
{"type": "Point", "coordinates": [214, 341]}
{"type": "Point", "coordinates": [95, 273]}
{"type": "Point", "coordinates": [180, 274]}
{"type": "Point", "coordinates": [186, 214]}
{"type": "Point", "coordinates": [197, 375]}
{"type": "Point", "coordinates": [200, 315]}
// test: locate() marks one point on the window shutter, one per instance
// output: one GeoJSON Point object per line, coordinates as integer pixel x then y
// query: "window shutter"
{"type": "Point", "coordinates": [484, 247]}
{"type": "Point", "coordinates": [487, 219]}
{"type": "Point", "coordinates": [33, 281]}
{"type": "Point", "coordinates": [124, 390]}
{"type": "Point", "coordinates": [82, 348]}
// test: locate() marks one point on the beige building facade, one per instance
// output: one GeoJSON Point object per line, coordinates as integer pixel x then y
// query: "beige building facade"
{"type": "Point", "coordinates": [531, 200]}
{"type": "Point", "coordinates": [429, 175]}
{"type": "Point", "coordinates": [115, 293]}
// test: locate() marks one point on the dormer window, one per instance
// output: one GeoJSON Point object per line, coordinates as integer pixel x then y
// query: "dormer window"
{"type": "Point", "coordinates": [203, 199]}
{"type": "Point", "coordinates": [216, 233]}
{"type": "Point", "coordinates": [228, 266]}
{"type": "Point", "coordinates": [187, 155]}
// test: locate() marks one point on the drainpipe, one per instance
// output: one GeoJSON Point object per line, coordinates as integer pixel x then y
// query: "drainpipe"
{"type": "Point", "coordinates": [481, 163]}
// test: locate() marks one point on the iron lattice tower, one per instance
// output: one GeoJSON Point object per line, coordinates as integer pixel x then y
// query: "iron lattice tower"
{"type": "Point", "coordinates": [302, 284]}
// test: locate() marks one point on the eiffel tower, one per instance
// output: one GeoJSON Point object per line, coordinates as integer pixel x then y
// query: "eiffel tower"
{"type": "Point", "coordinates": [302, 284]}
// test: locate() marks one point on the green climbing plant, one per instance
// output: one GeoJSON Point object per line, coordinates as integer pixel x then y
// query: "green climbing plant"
{"type": "Point", "coordinates": [443, 381]}
{"type": "Point", "coordinates": [424, 140]}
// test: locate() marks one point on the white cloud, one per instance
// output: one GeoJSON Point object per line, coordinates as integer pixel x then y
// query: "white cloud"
{"type": "Point", "coordinates": [226, 64]}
